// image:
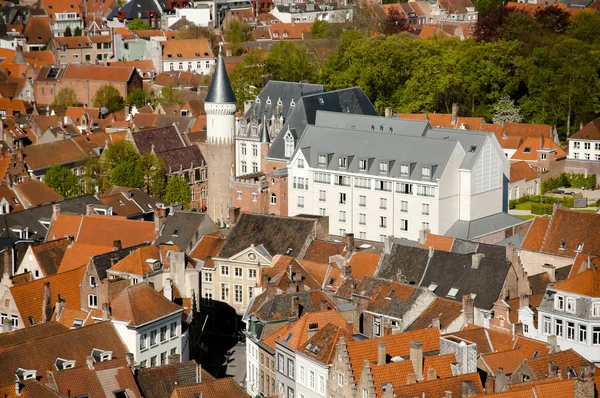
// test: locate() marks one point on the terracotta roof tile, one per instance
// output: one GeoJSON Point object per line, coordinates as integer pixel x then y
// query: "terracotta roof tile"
{"type": "Point", "coordinates": [396, 345]}
{"type": "Point", "coordinates": [36, 192]}
{"type": "Point", "coordinates": [528, 130]}
{"type": "Point", "coordinates": [571, 228]}
{"type": "Point", "coordinates": [226, 387]}
{"type": "Point", "coordinates": [29, 297]}
{"type": "Point", "coordinates": [562, 359]}
{"type": "Point", "coordinates": [439, 242]}
{"type": "Point", "coordinates": [207, 248]}
{"type": "Point", "coordinates": [98, 72]}
{"type": "Point", "coordinates": [590, 131]}
{"type": "Point", "coordinates": [140, 304]}
{"type": "Point", "coordinates": [507, 360]}
{"type": "Point", "coordinates": [79, 254]}
{"type": "Point", "coordinates": [582, 262]}
{"type": "Point", "coordinates": [322, 345]}
{"type": "Point", "coordinates": [75, 344]}
{"type": "Point", "coordinates": [58, 152]}
{"type": "Point", "coordinates": [159, 381]}
{"type": "Point", "coordinates": [443, 309]}
{"type": "Point", "coordinates": [297, 335]}
{"type": "Point", "coordinates": [522, 171]}
{"type": "Point", "coordinates": [363, 264]}
{"type": "Point", "coordinates": [438, 388]}
{"type": "Point", "coordinates": [535, 235]}
{"type": "Point", "coordinates": [38, 30]}
{"type": "Point", "coordinates": [49, 254]}
{"type": "Point", "coordinates": [586, 283]}
{"type": "Point", "coordinates": [188, 49]}
{"type": "Point", "coordinates": [288, 31]}
{"type": "Point", "coordinates": [10, 196]}
{"type": "Point", "coordinates": [28, 389]}
{"type": "Point", "coordinates": [320, 251]}
{"type": "Point", "coordinates": [33, 333]}
{"type": "Point", "coordinates": [528, 149]}
{"type": "Point", "coordinates": [135, 263]}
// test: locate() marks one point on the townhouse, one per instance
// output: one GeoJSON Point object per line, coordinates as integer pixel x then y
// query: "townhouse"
{"type": "Point", "coordinates": [63, 14]}
{"type": "Point", "coordinates": [192, 55]}
{"type": "Point", "coordinates": [584, 150]}
{"type": "Point", "coordinates": [81, 49]}
{"type": "Point", "coordinates": [349, 167]}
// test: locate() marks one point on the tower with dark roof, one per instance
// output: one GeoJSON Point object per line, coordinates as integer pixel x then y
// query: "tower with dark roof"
{"type": "Point", "coordinates": [220, 107]}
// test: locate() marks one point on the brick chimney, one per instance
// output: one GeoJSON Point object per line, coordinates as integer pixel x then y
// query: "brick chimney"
{"type": "Point", "coordinates": [55, 211]}
{"type": "Point", "coordinates": [47, 304]}
{"type": "Point", "coordinates": [431, 374]}
{"type": "Point", "coordinates": [158, 222]}
{"type": "Point", "coordinates": [454, 119]}
{"type": "Point", "coordinates": [89, 210]}
{"type": "Point", "coordinates": [174, 359]}
{"type": "Point", "coordinates": [416, 357]}
{"type": "Point", "coordinates": [468, 309]}
{"type": "Point", "coordinates": [411, 378]}
{"type": "Point", "coordinates": [584, 384]}
{"type": "Point", "coordinates": [500, 382]}
{"type": "Point", "coordinates": [381, 353]}
{"type": "Point", "coordinates": [350, 242]}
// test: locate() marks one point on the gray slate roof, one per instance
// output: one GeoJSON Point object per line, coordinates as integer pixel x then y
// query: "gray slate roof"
{"type": "Point", "coordinates": [185, 228]}
{"type": "Point", "coordinates": [220, 91]}
{"type": "Point", "coordinates": [349, 100]}
{"type": "Point", "coordinates": [281, 95]}
{"type": "Point", "coordinates": [482, 226]}
{"type": "Point", "coordinates": [403, 264]}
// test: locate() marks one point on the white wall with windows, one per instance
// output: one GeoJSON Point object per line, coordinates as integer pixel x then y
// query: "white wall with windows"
{"type": "Point", "coordinates": [248, 159]}
{"type": "Point", "coordinates": [153, 342]}
{"type": "Point", "coordinates": [252, 369]}
{"type": "Point", "coordinates": [311, 377]}
{"type": "Point", "coordinates": [584, 150]}
{"type": "Point", "coordinates": [202, 66]}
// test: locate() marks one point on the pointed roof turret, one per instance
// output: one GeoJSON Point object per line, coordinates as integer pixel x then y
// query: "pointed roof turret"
{"type": "Point", "coordinates": [265, 138]}
{"type": "Point", "coordinates": [220, 91]}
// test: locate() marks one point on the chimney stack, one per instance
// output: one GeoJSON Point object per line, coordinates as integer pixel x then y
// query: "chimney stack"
{"type": "Point", "coordinates": [381, 353]}
{"type": "Point", "coordinates": [447, 394]}
{"type": "Point", "coordinates": [423, 236]}
{"type": "Point", "coordinates": [552, 344]}
{"type": "Point", "coordinates": [468, 389]}
{"type": "Point", "coordinates": [556, 206]}
{"type": "Point", "coordinates": [89, 360]}
{"type": "Point", "coordinates": [60, 306]}
{"type": "Point", "coordinates": [416, 357]}
{"type": "Point", "coordinates": [431, 374]}
{"type": "Point", "coordinates": [468, 309]}
{"type": "Point", "coordinates": [174, 359]}
{"type": "Point", "coordinates": [518, 329]}
{"type": "Point", "coordinates": [584, 383]}
{"type": "Point", "coordinates": [47, 304]}
{"type": "Point", "coordinates": [6, 325]}
{"type": "Point", "coordinates": [89, 210]}
{"type": "Point", "coordinates": [18, 387]}
{"type": "Point", "coordinates": [454, 119]}
{"type": "Point", "coordinates": [435, 322]}
{"type": "Point", "coordinates": [431, 251]}
{"type": "Point", "coordinates": [551, 271]}
{"type": "Point", "coordinates": [349, 328]}
{"type": "Point", "coordinates": [500, 382]}
{"type": "Point", "coordinates": [349, 242]}
{"type": "Point", "coordinates": [388, 111]}
{"type": "Point", "coordinates": [130, 359]}
{"type": "Point", "coordinates": [476, 260]}
{"type": "Point", "coordinates": [117, 245]}
{"type": "Point", "coordinates": [523, 301]}
{"type": "Point", "coordinates": [105, 312]}
{"type": "Point", "coordinates": [295, 307]}
{"type": "Point", "coordinates": [158, 222]}
{"type": "Point", "coordinates": [168, 290]}
{"type": "Point", "coordinates": [411, 378]}
{"type": "Point", "coordinates": [8, 268]}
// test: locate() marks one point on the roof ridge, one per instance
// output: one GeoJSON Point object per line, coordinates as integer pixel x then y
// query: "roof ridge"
{"type": "Point", "coordinates": [546, 233]}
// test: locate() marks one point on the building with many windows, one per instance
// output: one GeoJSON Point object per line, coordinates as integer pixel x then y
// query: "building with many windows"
{"type": "Point", "coordinates": [584, 150]}
{"type": "Point", "coordinates": [376, 176]}
{"type": "Point", "coordinates": [192, 55]}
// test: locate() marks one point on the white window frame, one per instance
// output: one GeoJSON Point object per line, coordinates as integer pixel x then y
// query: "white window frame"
{"type": "Point", "coordinates": [559, 302]}
{"type": "Point", "coordinates": [570, 305]}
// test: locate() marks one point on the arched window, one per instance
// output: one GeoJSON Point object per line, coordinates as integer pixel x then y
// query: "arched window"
{"type": "Point", "coordinates": [289, 145]}
{"type": "Point", "coordinates": [273, 199]}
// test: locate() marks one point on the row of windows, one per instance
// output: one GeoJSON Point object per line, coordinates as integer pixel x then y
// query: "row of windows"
{"type": "Point", "coordinates": [568, 330]}
{"type": "Point", "coordinates": [254, 196]}
{"type": "Point", "coordinates": [189, 65]}
{"type": "Point", "coordinates": [362, 201]}
{"type": "Point", "coordinates": [254, 149]}
{"type": "Point", "coordinates": [569, 304]}
{"type": "Point", "coordinates": [383, 166]}
{"type": "Point", "coordinates": [238, 294]}
{"type": "Point", "coordinates": [159, 335]}
{"type": "Point", "coordinates": [238, 272]}
{"type": "Point", "coordinates": [13, 318]}
{"type": "Point", "coordinates": [586, 156]}
{"type": "Point", "coordinates": [586, 145]}
{"type": "Point", "coordinates": [380, 185]}
{"type": "Point", "coordinates": [244, 166]}
{"type": "Point", "coordinates": [154, 359]}
{"type": "Point", "coordinates": [310, 381]}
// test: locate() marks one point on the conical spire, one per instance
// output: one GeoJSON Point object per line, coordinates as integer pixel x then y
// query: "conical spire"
{"type": "Point", "coordinates": [264, 138]}
{"type": "Point", "coordinates": [220, 91]}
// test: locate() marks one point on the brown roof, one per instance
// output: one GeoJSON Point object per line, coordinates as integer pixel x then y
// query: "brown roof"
{"type": "Point", "coordinates": [33, 333]}
{"type": "Point", "coordinates": [207, 248]}
{"type": "Point", "coordinates": [106, 378]}
{"type": "Point", "coordinates": [562, 359]}
{"type": "Point", "coordinates": [56, 6]}
{"type": "Point", "coordinates": [140, 304]}
{"type": "Point", "coordinates": [75, 344]}
{"type": "Point", "coordinates": [59, 152]}
{"type": "Point", "coordinates": [174, 50]}
{"type": "Point", "coordinates": [297, 335]}
{"type": "Point", "coordinates": [528, 149]}
{"type": "Point", "coordinates": [11, 197]}
{"type": "Point", "coordinates": [29, 297]}
{"type": "Point", "coordinates": [72, 42]}
{"type": "Point", "coordinates": [321, 346]}
{"type": "Point", "coordinates": [79, 254]}
{"type": "Point", "coordinates": [226, 387]}
{"type": "Point", "coordinates": [28, 389]}
{"type": "Point", "coordinates": [135, 263]}
{"type": "Point", "coordinates": [98, 72]}
{"type": "Point", "coordinates": [590, 131]}
{"type": "Point", "coordinates": [522, 171]}
{"type": "Point", "coordinates": [103, 230]}
{"type": "Point", "coordinates": [320, 251]}
{"type": "Point", "coordinates": [143, 64]}
{"type": "Point", "coordinates": [528, 130]}
{"type": "Point", "coordinates": [507, 360]}
{"type": "Point", "coordinates": [438, 388]}
{"type": "Point", "coordinates": [49, 254]}
{"type": "Point", "coordinates": [439, 242]}
{"type": "Point", "coordinates": [396, 345]}
{"type": "Point", "coordinates": [586, 283]}
{"type": "Point", "coordinates": [289, 31]}
{"type": "Point", "coordinates": [565, 230]}
{"type": "Point", "coordinates": [159, 381]}
{"type": "Point", "coordinates": [443, 309]}
{"type": "Point", "coordinates": [363, 264]}
{"type": "Point", "coordinates": [38, 30]}
{"type": "Point", "coordinates": [36, 192]}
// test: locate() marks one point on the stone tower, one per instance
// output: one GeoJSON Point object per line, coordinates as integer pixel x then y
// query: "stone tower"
{"type": "Point", "coordinates": [220, 106]}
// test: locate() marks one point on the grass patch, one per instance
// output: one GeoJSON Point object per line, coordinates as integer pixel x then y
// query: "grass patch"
{"type": "Point", "coordinates": [524, 206]}
{"type": "Point", "coordinates": [586, 211]}
{"type": "Point", "coordinates": [526, 217]}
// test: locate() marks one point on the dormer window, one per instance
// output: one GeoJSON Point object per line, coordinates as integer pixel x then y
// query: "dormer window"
{"type": "Point", "coordinates": [300, 163]}
{"type": "Point", "coordinates": [579, 247]}
{"type": "Point", "coordinates": [101, 355]}
{"type": "Point", "coordinates": [62, 364]}
{"type": "Point", "coordinates": [562, 246]}
{"type": "Point", "coordinates": [383, 167]}
{"type": "Point", "coordinates": [404, 170]}
{"type": "Point", "coordinates": [596, 309]}
{"type": "Point", "coordinates": [559, 302]}
{"type": "Point", "coordinates": [362, 164]}
{"type": "Point", "coordinates": [527, 149]}
{"type": "Point", "coordinates": [426, 172]}
{"type": "Point", "coordinates": [453, 292]}
{"type": "Point", "coordinates": [322, 160]}
{"type": "Point", "coordinates": [342, 162]}
{"type": "Point", "coordinates": [571, 305]}
{"type": "Point", "coordinates": [289, 144]}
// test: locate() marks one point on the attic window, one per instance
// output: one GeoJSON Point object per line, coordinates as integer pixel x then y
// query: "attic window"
{"type": "Point", "coordinates": [175, 232]}
{"type": "Point", "coordinates": [169, 56]}
{"type": "Point", "coordinates": [289, 335]}
{"type": "Point", "coordinates": [321, 101]}
{"type": "Point", "coordinates": [206, 54]}
{"type": "Point", "coordinates": [579, 247]}
{"type": "Point", "coordinates": [197, 54]}
{"type": "Point", "coordinates": [330, 283]}
{"type": "Point", "coordinates": [472, 148]}
{"type": "Point", "coordinates": [452, 293]}
{"type": "Point", "coordinates": [563, 244]}
{"type": "Point", "coordinates": [120, 202]}
{"type": "Point", "coordinates": [30, 319]}
{"type": "Point", "coordinates": [536, 353]}
{"type": "Point", "coordinates": [288, 251]}
{"type": "Point", "coordinates": [527, 149]}
{"type": "Point", "coordinates": [179, 55]}
{"type": "Point", "coordinates": [432, 287]}
{"type": "Point", "coordinates": [77, 323]}
{"type": "Point", "coordinates": [390, 294]}
{"type": "Point", "coordinates": [313, 326]}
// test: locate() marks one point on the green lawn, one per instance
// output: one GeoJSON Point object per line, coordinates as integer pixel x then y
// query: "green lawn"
{"type": "Point", "coordinates": [527, 217]}
{"type": "Point", "coordinates": [524, 206]}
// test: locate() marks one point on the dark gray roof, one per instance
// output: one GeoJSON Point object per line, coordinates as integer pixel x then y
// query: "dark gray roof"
{"type": "Point", "coordinates": [184, 123]}
{"type": "Point", "coordinates": [159, 139]}
{"type": "Point", "coordinates": [185, 228]}
{"type": "Point", "coordinates": [516, 240]}
{"type": "Point", "coordinates": [278, 235]}
{"type": "Point", "coordinates": [403, 264]}
{"type": "Point", "coordinates": [454, 271]}
{"type": "Point", "coordinates": [220, 91]}
{"type": "Point", "coordinates": [349, 100]}
{"type": "Point", "coordinates": [104, 261]}
{"type": "Point", "coordinates": [136, 9]}
{"type": "Point", "coordinates": [280, 98]}
{"type": "Point", "coordinates": [482, 226]}
{"type": "Point", "coordinates": [469, 247]}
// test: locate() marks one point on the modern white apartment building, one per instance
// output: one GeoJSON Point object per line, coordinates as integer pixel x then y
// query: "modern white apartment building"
{"type": "Point", "coordinates": [376, 176]}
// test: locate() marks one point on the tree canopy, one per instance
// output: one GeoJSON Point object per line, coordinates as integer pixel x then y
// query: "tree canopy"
{"type": "Point", "coordinates": [140, 97]}
{"type": "Point", "coordinates": [65, 98]}
{"type": "Point", "coordinates": [109, 97]}
{"type": "Point", "coordinates": [178, 191]}
{"type": "Point", "coordinates": [63, 181]}
{"type": "Point", "coordinates": [138, 24]}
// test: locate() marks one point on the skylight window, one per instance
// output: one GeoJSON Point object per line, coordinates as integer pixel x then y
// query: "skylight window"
{"type": "Point", "coordinates": [527, 149]}
{"type": "Point", "coordinates": [321, 101]}
{"type": "Point", "coordinates": [563, 244]}
{"type": "Point", "coordinates": [432, 287]}
{"type": "Point", "coordinates": [175, 232]}
{"type": "Point", "coordinates": [472, 148]}
{"type": "Point", "coordinates": [289, 336]}
{"type": "Point", "coordinates": [77, 323]}
{"type": "Point", "coordinates": [179, 55]}
{"type": "Point", "coordinates": [453, 292]}
{"type": "Point", "coordinates": [197, 54]}
{"type": "Point", "coordinates": [390, 294]}
{"type": "Point", "coordinates": [169, 56]}
{"type": "Point", "coordinates": [579, 247]}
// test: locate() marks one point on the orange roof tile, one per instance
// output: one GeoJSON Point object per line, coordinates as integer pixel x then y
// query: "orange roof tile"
{"type": "Point", "coordinates": [29, 297]}
{"type": "Point", "coordinates": [288, 31]}
{"type": "Point", "coordinates": [528, 130]}
{"type": "Point", "coordinates": [443, 309]}
{"type": "Point", "coordinates": [566, 231]}
{"type": "Point", "coordinates": [586, 283]}
{"type": "Point", "coordinates": [396, 345]}
{"type": "Point", "coordinates": [363, 264]}
{"type": "Point", "coordinates": [438, 388]}
{"type": "Point", "coordinates": [582, 262]}
{"type": "Point", "coordinates": [188, 49]}
{"type": "Point", "coordinates": [207, 248]}
{"type": "Point", "coordinates": [507, 360]}
{"type": "Point", "coordinates": [79, 254]}
{"type": "Point", "coordinates": [528, 149]}
{"type": "Point", "coordinates": [535, 235]}
{"type": "Point", "coordinates": [296, 335]}
{"type": "Point", "coordinates": [522, 171]}
{"type": "Point", "coordinates": [98, 72]}
{"type": "Point", "coordinates": [562, 359]}
{"type": "Point", "coordinates": [36, 192]}
{"type": "Point", "coordinates": [140, 304]}
{"type": "Point", "coordinates": [135, 263]}
{"type": "Point", "coordinates": [320, 250]}
{"type": "Point", "coordinates": [439, 242]}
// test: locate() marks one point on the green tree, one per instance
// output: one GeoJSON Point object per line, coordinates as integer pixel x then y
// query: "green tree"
{"type": "Point", "coordinates": [65, 98]}
{"type": "Point", "coordinates": [318, 28]}
{"type": "Point", "coordinates": [153, 170]}
{"type": "Point", "coordinates": [120, 152]}
{"type": "Point", "coordinates": [68, 32]}
{"type": "Point", "coordinates": [140, 97]}
{"type": "Point", "coordinates": [585, 27]}
{"type": "Point", "coordinates": [178, 191]}
{"type": "Point", "coordinates": [506, 111]}
{"type": "Point", "coordinates": [139, 24]}
{"type": "Point", "coordinates": [292, 62]}
{"type": "Point", "coordinates": [109, 97]}
{"type": "Point", "coordinates": [237, 31]}
{"type": "Point", "coordinates": [128, 174]}
{"type": "Point", "coordinates": [93, 180]}
{"type": "Point", "coordinates": [62, 180]}
{"type": "Point", "coordinates": [77, 31]}
{"type": "Point", "coordinates": [170, 97]}
{"type": "Point", "coordinates": [246, 78]}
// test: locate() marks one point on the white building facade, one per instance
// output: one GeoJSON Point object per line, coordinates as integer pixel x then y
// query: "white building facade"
{"type": "Point", "coordinates": [379, 177]}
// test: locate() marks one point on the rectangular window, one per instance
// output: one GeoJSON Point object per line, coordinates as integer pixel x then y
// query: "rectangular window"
{"type": "Point", "coordinates": [403, 225]}
{"type": "Point", "coordinates": [224, 292]}
{"type": "Point", "coordinates": [596, 335]}
{"type": "Point", "coordinates": [362, 219]}
{"type": "Point", "coordinates": [425, 209]}
{"type": "Point", "coordinates": [323, 178]}
{"type": "Point", "coordinates": [403, 206]}
{"type": "Point", "coordinates": [424, 225]}
{"type": "Point", "coordinates": [586, 156]}
{"type": "Point", "coordinates": [301, 374]}
{"type": "Point", "coordinates": [342, 216]}
{"type": "Point", "coordinates": [404, 188]}
{"type": "Point", "coordinates": [376, 327]}
{"type": "Point", "coordinates": [321, 384]}
{"type": "Point", "coordinates": [322, 160]}
{"type": "Point", "coordinates": [340, 378]}
{"type": "Point", "coordinates": [92, 301]}
{"type": "Point", "coordinates": [570, 331]}
{"type": "Point", "coordinates": [383, 167]}
{"type": "Point", "coordinates": [362, 183]}
{"type": "Point", "coordinates": [547, 325]}
{"type": "Point", "coordinates": [342, 232]}
{"type": "Point", "coordinates": [342, 198]}
{"type": "Point", "coordinates": [383, 185]}
{"type": "Point", "coordinates": [587, 145]}
{"type": "Point", "coordinates": [322, 211]}
{"type": "Point", "coordinates": [252, 274]}
{"type": "Point", "coordinates": [403, 169]}
{"type": "Point", "coordinates": [342, 181]}
{"type": "Point", "coordinates": [342, 162]}
{"type": "Point", "coordinates": [300, 163]}
{"type": "Point", "coordinates": [208, 277]}
{"type": "Point", "coordinates": [237, 271]}
{"type": "Point", "coordinates": [311, 379]}
{"type": "Point", "coordinates": [153, 338]}
{"type": "Point", "coordinates": [224, 270]}
{"type": "Point", "coordinates": [173, 330]}
{"type": "Point", "coordinates": [362, 164]}
{"type": "Point", "coordinates": [426, 172]}
{"type": "Point", "coordinates": [237, 289]}
{"type": "Point", "coordinates": [425, 190]}
{"type": "Point", "coordinates": [362, 200]}
{"type": "Point", "coordinates": [559, 302]}
{"type": "Point", "coordinates": [582, 333]}
{"type": "Point", "coordinates": [383, 222]}
{"type": "Point", "coordinates": [163, 358]}
{"type": "Point", "coordinates": [163, 334]}
{"type": "Point", "coordinates": [153, 361]}
{"type": "Point", "coordinates": [143, 342]}
{"type": "Point", "coordinates": [383, 203]}
{"type": "Point", "coordinates": [301, 201]}
{"type": "Point", "coordinates": [571, 305]}
{"type": "Point", "coordinates": [250, 292]}
{"type": "Point", "coordinates": [362, 235]}
{"type": "Point", "coordinates": [290, 369]}
{"type": "Point", "coordinates": [558, 327]}
{"type": "Point", "coordinates": [322, 196]}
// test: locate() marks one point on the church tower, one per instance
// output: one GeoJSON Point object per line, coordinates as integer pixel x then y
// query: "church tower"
{"type": "Point", "coordinates": [218, 151]}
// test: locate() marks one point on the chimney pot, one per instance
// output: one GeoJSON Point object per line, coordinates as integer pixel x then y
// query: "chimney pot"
{"type": "Point", "coordinates": [431, 374]}
{"type": "Point", "coordinates": [454, 120]}
{"type": "Point", "coordinates": [89, 360]}
{"type": "Point", "coordinates": [55, 211]}
{"type": "Point", "coordinates": [381, 353]}
{"type": "Point", "coordinates": [416, 357]}
{"type": "Point", "coordinates": [388, 111]}
{"type": "Point", "coordinates": [105, 312]}
{"type": "Point", "coordinates": [431, 251]}
{"type": "Point", "coordinates": [468, 309]}
{"type": "Point", "coordinates": [89, 209]}
{"type": "Point", "coordinates": [349, 242]}
{"type": "Point", "coordinates": [551, 271]}
{"type": "Point", "coordinates": [476, 260]}
{"type": "Point", "coordinates": [411, 378]}
{"type": "Point", "coordinates": [553, 344]}
{"type": "Point", "coordinates": [500, 382]}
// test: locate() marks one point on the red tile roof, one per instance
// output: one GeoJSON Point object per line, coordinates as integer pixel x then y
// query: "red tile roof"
{"type": "Point", "coordinates": [439, 242]}
{"type": "Point", "coordinates": [586, 283]}
{"type": "Point", "coordinates": [320, 251]}
{"type": "Point", "coordinates": [297, 335]}
{"type": "Point", "coordinates": [590, 131]}
{"type": "Point", "coordinates": [363, 264]}
{"type": "Point", "coordinates": [522, 171]}
{"type": "Point", "coordinates": [447, 311]}
{"type": "Point", "coordinates": [36, 192]}
{"type": "Point", "coordinates": [528, 149]}
{"type": "Point", "coordinates": [98, 72]}
{"type": "Point", "coordinates": [79, 254]}
{"type": "Point", "coordinates": [438, 388]}
{"type": "Point", "coordinates": [140, 304]}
